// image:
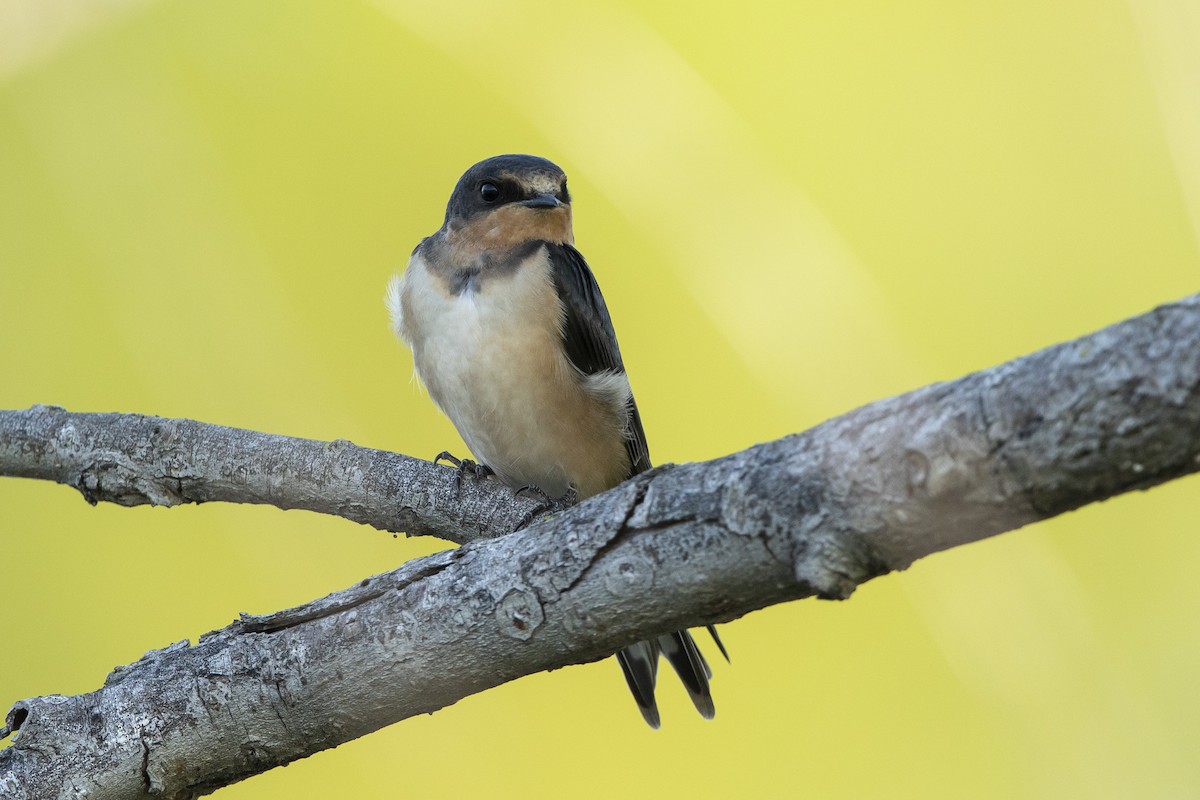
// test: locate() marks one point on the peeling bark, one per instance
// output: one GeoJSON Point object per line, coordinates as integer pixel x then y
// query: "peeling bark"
{"type": "Point", "coordinates": [811, 514]}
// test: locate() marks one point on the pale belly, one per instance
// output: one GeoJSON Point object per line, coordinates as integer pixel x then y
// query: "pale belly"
{"type": "Point", "coordinates": [492, 360]}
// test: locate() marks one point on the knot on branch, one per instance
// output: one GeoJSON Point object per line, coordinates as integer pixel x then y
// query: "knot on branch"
{"type": "Point", "coordinates": [520, 614]}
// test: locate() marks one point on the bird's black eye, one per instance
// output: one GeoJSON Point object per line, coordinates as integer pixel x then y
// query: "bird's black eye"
{"type": "Point", "coordinates": [489, 192]}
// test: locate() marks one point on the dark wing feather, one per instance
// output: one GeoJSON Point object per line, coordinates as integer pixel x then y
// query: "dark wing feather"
{"type": "Point", "coordinates": [591, 345]}
{"type": "Point", "coordinates": [588, 336]}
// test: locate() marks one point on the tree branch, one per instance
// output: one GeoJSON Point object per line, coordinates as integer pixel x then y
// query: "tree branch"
{"type": "Point", "coordinates": [132, 459]}
{"type": "Point", "coordinates": [814, 513]}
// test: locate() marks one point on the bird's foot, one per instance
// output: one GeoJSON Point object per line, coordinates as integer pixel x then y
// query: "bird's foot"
{"type": "Point", "coordinates": [464, 466]}
{"type": "Point", "coordinates": [547, 504]}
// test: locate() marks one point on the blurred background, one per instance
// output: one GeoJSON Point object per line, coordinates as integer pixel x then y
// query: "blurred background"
{"type": "Point", "coordinates": [794, 208]}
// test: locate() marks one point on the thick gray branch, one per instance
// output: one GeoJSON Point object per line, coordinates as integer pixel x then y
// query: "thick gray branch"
{"type": "Point", "coordinates": [132, 459]}
{"type": "Point", "coordinates": [815, 513]}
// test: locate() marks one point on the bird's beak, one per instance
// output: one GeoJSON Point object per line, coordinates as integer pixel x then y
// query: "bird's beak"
{"type": "Point", "coordinates": [543, 201]}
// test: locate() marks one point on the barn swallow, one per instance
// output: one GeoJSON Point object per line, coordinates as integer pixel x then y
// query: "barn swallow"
{"type": "Point", "coordinates": [511, 336]}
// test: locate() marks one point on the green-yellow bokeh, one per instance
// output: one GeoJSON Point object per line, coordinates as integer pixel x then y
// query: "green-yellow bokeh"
{"type": "Point", "coordinates": [793, 208]}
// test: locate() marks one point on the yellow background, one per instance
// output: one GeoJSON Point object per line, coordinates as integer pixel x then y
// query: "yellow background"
{"type": "Point", "coordinates": [794, 208]}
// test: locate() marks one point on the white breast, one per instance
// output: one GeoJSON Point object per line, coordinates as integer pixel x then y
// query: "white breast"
{"type": "Point", "coordinates": [492, 359]}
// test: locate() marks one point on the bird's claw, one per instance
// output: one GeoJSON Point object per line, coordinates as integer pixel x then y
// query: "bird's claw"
{"type": "Point", "coordinates": [547, 504]}
{"type": "Point", "coordinates": [464, 466]}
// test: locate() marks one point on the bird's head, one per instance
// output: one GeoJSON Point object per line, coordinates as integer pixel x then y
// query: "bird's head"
{"type": "Point", "coordinates": [508, 200]}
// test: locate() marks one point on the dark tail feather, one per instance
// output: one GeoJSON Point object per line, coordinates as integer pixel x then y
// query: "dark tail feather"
{"type": "Point", "coordinates": [680, 649]}
{"type": "Point", "coordinates": [639, 662]}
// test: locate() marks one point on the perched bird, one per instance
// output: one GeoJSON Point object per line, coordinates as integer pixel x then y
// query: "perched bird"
{"type": "Point", "coordinates": [510, 334]}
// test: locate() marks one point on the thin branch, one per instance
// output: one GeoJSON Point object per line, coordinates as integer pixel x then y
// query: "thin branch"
{"type": "Point", "coordinates": [132, 459]}
{"type": "Point", "coordinates": [814, 513]}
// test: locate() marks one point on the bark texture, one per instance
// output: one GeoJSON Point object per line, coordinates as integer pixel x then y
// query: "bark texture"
{"type": "Point", "coordinates": [134, 459]}
{"type": "Point", "coordinates": [813, 513]}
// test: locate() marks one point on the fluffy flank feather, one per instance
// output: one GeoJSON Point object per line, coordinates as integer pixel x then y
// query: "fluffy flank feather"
{"type": "Point", "coordinates": [392, 300]}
